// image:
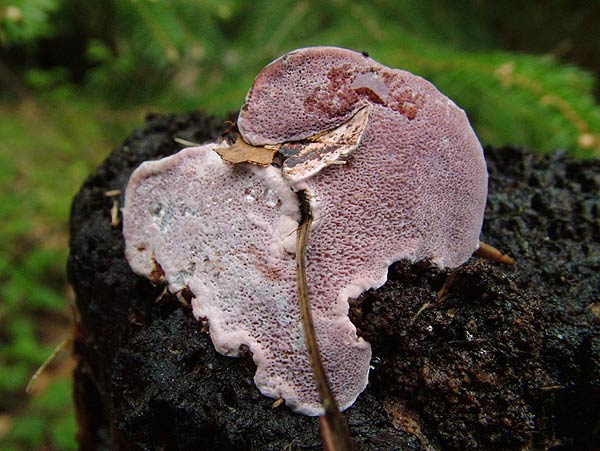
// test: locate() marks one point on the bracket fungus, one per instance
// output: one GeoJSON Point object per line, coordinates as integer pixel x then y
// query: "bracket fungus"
{"type": "Point", "coordinates": [387, 166]}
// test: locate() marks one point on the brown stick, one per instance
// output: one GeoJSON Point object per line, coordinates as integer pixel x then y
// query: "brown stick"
{"type": "Point", "coordinates": [334, 430]}
{"type": "Point", "coordinates": [441, 295]}
{"type": "Point", "coordinates": [491, 253]}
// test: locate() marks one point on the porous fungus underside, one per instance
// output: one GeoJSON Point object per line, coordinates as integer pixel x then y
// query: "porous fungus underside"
{"type": "Point", "coordinates": [390, 169]}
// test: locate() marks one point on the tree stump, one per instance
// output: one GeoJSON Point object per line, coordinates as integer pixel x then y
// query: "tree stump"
{"type": "Point", "coordinates": [509, 360]}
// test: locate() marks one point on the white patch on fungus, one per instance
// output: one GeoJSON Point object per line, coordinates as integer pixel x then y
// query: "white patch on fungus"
{"type": "Point", "coordinates": [391, 169]}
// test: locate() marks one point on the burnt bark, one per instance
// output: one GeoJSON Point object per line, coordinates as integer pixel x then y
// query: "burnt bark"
{"type": "Point", "coordinates": [510, 360]}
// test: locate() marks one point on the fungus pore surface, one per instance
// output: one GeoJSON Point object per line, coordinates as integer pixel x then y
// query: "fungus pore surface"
{"type": "Point", "coordinates": [391, 170]}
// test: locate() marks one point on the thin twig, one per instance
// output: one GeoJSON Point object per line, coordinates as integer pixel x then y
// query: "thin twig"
{"type": "Point", "coordinates": [336, 434]}
{"type": "Point", "coordinates": [114, 214]}
{"type": "Point", "coordinates": [185, 142]}
{"type": "Point", "coordinates": [57, 350]}
{"type": "Point", "coordinates": [441, 296]}
{"type": "Point", "coordinates": [491, 253]}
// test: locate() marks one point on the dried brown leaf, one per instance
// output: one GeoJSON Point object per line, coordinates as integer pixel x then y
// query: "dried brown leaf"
{"type": "Point", "coordinates": [242, 152]}
{"type": "Point", "coordinates": [330, 147]}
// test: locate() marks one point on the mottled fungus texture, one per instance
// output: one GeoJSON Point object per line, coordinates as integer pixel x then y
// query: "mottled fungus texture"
{"type": "Point", "coordinates": [390, 169]}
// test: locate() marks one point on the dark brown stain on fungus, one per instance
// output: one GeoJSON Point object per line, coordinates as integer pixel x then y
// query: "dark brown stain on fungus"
{"type": "Point", "coordinates": [346, 97]}
{"type": "Point", "coordinates": [270, 272]}
{"type": "Point", "coordinates": [340, 105]}
{"type": "Point", "coordinates": [407, 103]}
{"type": "Point", "coordinates": [370, 94]}
{"type": "Point", "coordinates": [157, 274]}
{"type": "Point", "coordinates": [409, 110]}
{"type": "Point", "coordinates": [338, 76]}
{"type": "Point", "coordinates": [342, 102]}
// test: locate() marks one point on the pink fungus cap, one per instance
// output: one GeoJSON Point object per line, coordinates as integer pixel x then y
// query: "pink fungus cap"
{"type": "Point", "coordinates": [392, 170]}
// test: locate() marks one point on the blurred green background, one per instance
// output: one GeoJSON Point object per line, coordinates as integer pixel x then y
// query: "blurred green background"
{"type": "Point", "coordinates": [76, 76]}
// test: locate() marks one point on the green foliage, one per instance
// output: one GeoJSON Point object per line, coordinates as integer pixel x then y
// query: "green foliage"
{"type": "Point", "coordinates": [205, 54]}
{"type": "Point", "coordinates": [25, 20]}
{"type": "Point", "coordinates": [511, 98]}
{"type": "Point", "coordinates": [76, 77]}
{"type": "Point", "coordinates": [43, 161]}
{"type": "Point", "coordinates": [50, 421]}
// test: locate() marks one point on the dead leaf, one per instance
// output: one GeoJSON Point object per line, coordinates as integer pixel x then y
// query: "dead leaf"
{"type": "Point", "coordinates": [242, 152]}
{"type": "Point", "coordinates": [595, 308]}
{"type": "Point", "coordinates": [330, 147]}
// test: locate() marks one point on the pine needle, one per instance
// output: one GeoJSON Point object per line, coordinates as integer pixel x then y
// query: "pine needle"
{"type": "Point", "coordinates": [57, 350]}
{"type": "Point", "coordinates": [334, 430]}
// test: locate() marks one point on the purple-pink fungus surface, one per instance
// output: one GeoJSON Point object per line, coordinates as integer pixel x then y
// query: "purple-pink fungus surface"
{"type": "Point", "coordinates": [391, 170]}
